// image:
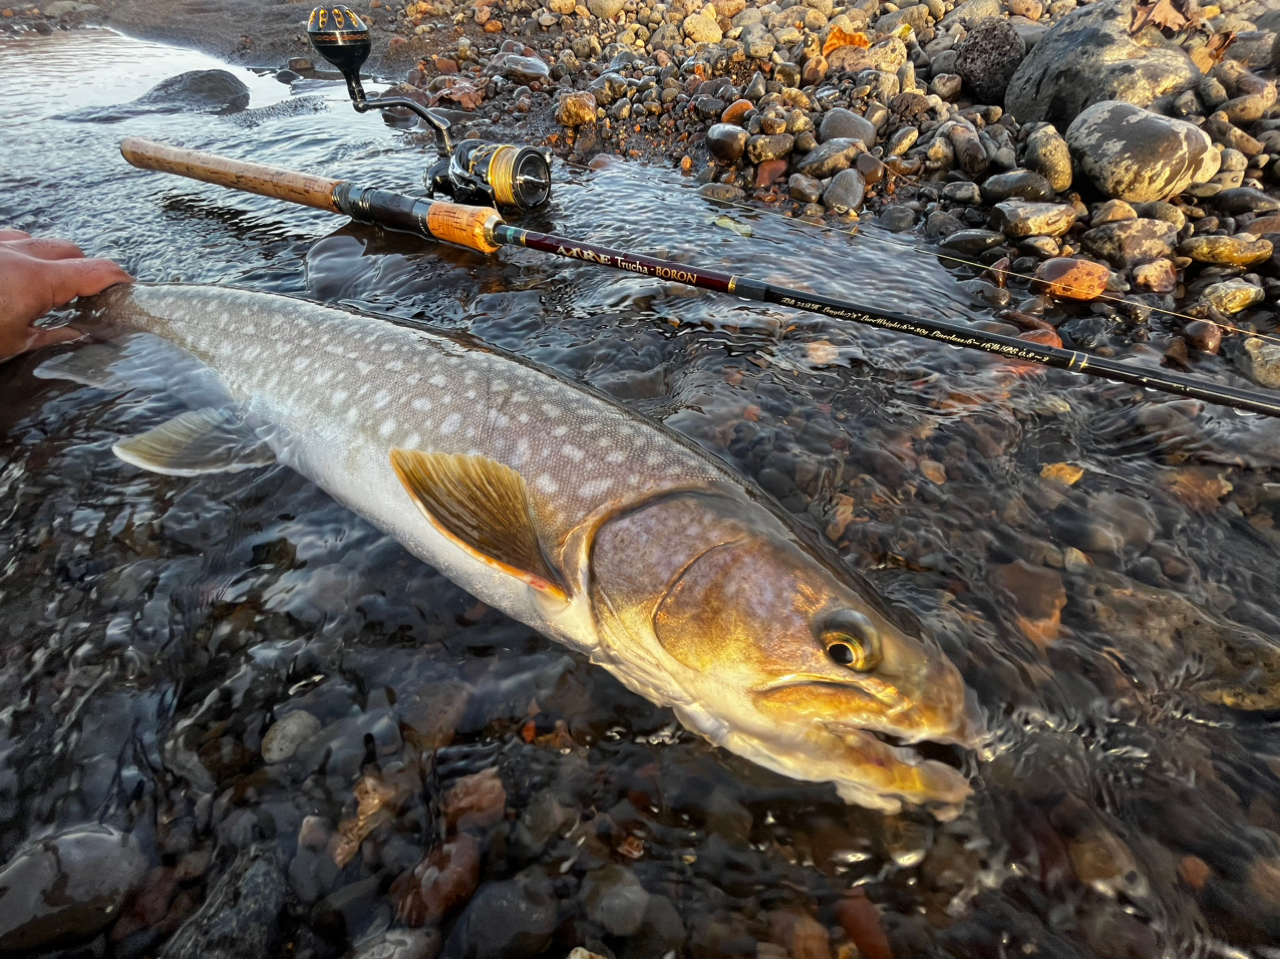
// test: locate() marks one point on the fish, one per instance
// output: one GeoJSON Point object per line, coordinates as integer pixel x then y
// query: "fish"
{"type": "Point", "coordinates": [546, 499]}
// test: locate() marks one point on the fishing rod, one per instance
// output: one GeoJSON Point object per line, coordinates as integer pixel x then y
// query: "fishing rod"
{"type": "Point", "coordinates": [483, 230]}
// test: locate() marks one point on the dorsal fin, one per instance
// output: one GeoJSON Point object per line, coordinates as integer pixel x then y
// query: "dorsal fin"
{"type": "Point", "coordinates": [195, 442]}
{"type": "Point", "coordinates": [484, 507]}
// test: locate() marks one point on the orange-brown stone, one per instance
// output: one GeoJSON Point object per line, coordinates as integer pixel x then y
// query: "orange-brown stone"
{"type": "Point", "coordinates": [736, 110]}
{"type": "Point", "coordinates": [769, 171]}
{"type": "Point", "coordinates": [1071, 278]}
{"type": "Point", "coordinates": [1042, 337]}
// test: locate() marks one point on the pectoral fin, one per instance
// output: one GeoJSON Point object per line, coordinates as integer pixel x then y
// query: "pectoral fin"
{"type": "Point", "coordinates": [484, 507]}
{"type": "Point", "coordinates": [195, 442]}
{"type": "Point", "coordinates": [88, 366]}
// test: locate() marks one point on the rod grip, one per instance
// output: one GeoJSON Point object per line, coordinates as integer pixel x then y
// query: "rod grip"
{"type": "Point", "coordinates": [304, 188]}
{"type": "Point", "coordinates": [469, 226]}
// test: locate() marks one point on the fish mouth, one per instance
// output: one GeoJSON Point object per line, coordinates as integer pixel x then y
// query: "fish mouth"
{"type": "Point", "coordinates": [924, 771]}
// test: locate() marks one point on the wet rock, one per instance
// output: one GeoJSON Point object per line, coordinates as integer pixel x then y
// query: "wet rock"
{"type": "Point", "coordinates": [724, 192]}
{"type": "Point", "coordinates": [799, 934]}
{"type": "Point", "coordinates": [1232, 296]}
{"type": "Point", "coordinates": [1017, 185]}
{"type": "Point", "coordinates": [661, 933]}
{"type": "Point", "coordinates": [1139, 156]}
{"type": "Point", "coordinates": [969, 242]}
{"type": "Point", "coordinates": [804, 188]}
{"type": "Point", "coordinates": [1158, 276]}
{"type": "Point", "coordinates": [510, 919]}
{"type": "Point", "coordinates": [1112, 212]}
{"type": "Point", "coordinates": [845, 124]}
{"type": "Point", "coordinates": [519, 68]}
{"type": "Point", "coordinates": [1203, 335]}
{"type": "Point", "coordinates": [605, 9]}
{"type": "Point", "coordinates": [238, 919]}
{"type": "Point", "coordinates": [1245, 200]}
{"type": "Point", "coordinates": [478, 800]}
{"type": "Point", "coordinates": [830, 158]}
{"type": "Point", "coordinates": [727, 142]}
{"type": "Point", "coordinates": [1089, 56]}
{"type": "Point", "coordinates": [871, 168]}
{"type": "Point", "coordinates": [1127, 242]}
{"type": "Point", "coordinates": [845, 192]}
{"type": "Point", "coordinates": [67, 886]}
{"type": "Point", "coordinates": [441, 883]}
{"type": "Point", "coordinates": [199, 91]}
{"type": "Point", "coordinates": [964, 191]}
{"type": "Point", "coordinates": [286, 734]}
{"type": "Point", "coordinates": [614, 898]}
{"type": "Point", "coordinates": [1239, 250]}
{"type": "Point", "coordinates": [897, 218]}
{"type": "Point", "coordinates": [402, 944]}
{"type": "Point", "coordinates": [987, 58]}
{"type": "Point", "coordinates": [1048, 154]}
{"type": "Point", "coordinates": [861, 921]}
{"type": "Point", "coordinates": [1021, 218]}
{"type": "Point", "coordinates": [736, 110]}
{"type": "Point", "coordinates": [576, 109]}
{"type": "Point", "coordinates": [1038, 597]}
{"type": "Point", "coordinates": [764, 147]}
{"type": "Point", "coordinates": [1261, 362]}
{"type": "Point", "coordinates": [1071, 278]}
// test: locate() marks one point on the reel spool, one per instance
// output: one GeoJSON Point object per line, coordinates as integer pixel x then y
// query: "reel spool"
{"type": "Point", "coordinates": [473, 171]}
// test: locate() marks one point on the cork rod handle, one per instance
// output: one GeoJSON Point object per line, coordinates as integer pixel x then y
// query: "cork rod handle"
{"type": "Point", "coordinates": [304, 188]}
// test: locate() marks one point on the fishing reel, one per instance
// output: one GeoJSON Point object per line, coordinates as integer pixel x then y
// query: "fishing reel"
{"type": "Point", "coordinates": [473, 171]}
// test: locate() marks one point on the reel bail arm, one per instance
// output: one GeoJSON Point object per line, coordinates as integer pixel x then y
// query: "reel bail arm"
{"type": "Point", "coordinates": [471, 171]}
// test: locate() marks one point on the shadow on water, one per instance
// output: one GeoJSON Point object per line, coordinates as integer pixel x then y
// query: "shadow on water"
{"type": "Point", "coordinates": [227, 697]}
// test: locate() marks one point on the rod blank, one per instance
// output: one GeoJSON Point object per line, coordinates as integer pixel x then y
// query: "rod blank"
{"type": "Point", "coordinates": [482, 229]}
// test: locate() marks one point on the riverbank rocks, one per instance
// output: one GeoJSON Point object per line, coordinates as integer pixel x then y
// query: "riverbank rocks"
{"type": "Point", "coordinates": [1135, 155]}
{"type": "Point", "coordinates": [987, 58]}
{"type": "Point", "coordinates": [845, 192]}
{"type": "Point", "coordinates": [1048, 154]}
{"type": "Point", "coordinates": [576, 109]}
{"type": "Point", "coordinates": [1241, 250]}
{"type": "Point", "coordinates": [1129, 242]}
{"type": "Point", "coordinates": [830, 158]}
{"type": "Point", "coordinates": [1090, 56]}
{"type": "Point", "coordinates": [842, 124]}
{"type": "Point", "coordinates": [1261, 362]}
{"type": "Point", "coordinates": [1071, 278]}
{"type": "Point", "coordinates": [217, 92]}
{"type": "Point", "coordinates": [1017, 185]}
{"type": "Point", "coordinates": [727, 141]}
{"type": "Point", "coordinates": [1232, 296]}
{"type": "Point", "coordinates": [1022, 218]}
{"type": "Point", "coordinates": [67, 886]}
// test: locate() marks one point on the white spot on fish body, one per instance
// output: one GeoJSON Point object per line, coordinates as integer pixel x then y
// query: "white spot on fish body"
{"type": "Point", "coordinates": [438, 381]}
{"type": "Point", "coordinates": [560, 431]}
{"type": "Point", "coordinates": [596, 486]}
{"type": "Point", "coordinates": [546, 484]}
{"type": "Point", "coordinates": [382, 398]}
{"type": "Point", "coordinates": [613, 457]}
{"type": "Point", "coordinates": [421, 404]}
{"type": "Point", "coordinates": [550, 410]}
{"type": "Point", "coordinates": [386, 428]}
{"type": "Point", "coordinates": [573, 452]}
{"type": "Point", "coordinates": [451, 424]}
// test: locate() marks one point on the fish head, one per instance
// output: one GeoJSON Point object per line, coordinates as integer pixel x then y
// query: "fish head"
{"type": "Point", "coordinates": [796, 663]}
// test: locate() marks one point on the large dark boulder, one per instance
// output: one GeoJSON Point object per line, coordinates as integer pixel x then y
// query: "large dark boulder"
{"type": "Point", "coordinates": [1088, 57]}
{"type": "Point", "coordinates": [218, 92]}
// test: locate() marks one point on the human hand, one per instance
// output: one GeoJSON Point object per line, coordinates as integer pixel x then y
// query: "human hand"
{"type": "Point", "coordinates": [37, 276]}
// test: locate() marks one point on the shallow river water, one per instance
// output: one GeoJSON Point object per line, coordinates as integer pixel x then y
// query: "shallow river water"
{"type": "Point", "coordinates": [1100, 564]}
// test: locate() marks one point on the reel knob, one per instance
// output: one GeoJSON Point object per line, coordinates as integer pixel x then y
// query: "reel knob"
{"type": "Point", "coordinates": [342, 38]}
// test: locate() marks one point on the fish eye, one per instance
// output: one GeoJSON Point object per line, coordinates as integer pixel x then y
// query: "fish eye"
{"type": "Point", "coordinates": [851, 640]}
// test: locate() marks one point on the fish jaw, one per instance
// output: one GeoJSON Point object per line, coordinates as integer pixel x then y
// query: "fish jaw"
{"type": "Point", "coordinates": [714, 595]}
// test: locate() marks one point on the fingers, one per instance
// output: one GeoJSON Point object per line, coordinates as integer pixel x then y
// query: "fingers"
{"type": "Point", "coordinates": [13, 235]}
{"type": "Point", "coordinates": [47, 249]}
{"type": "Point", "coordinates": [84, 277]}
